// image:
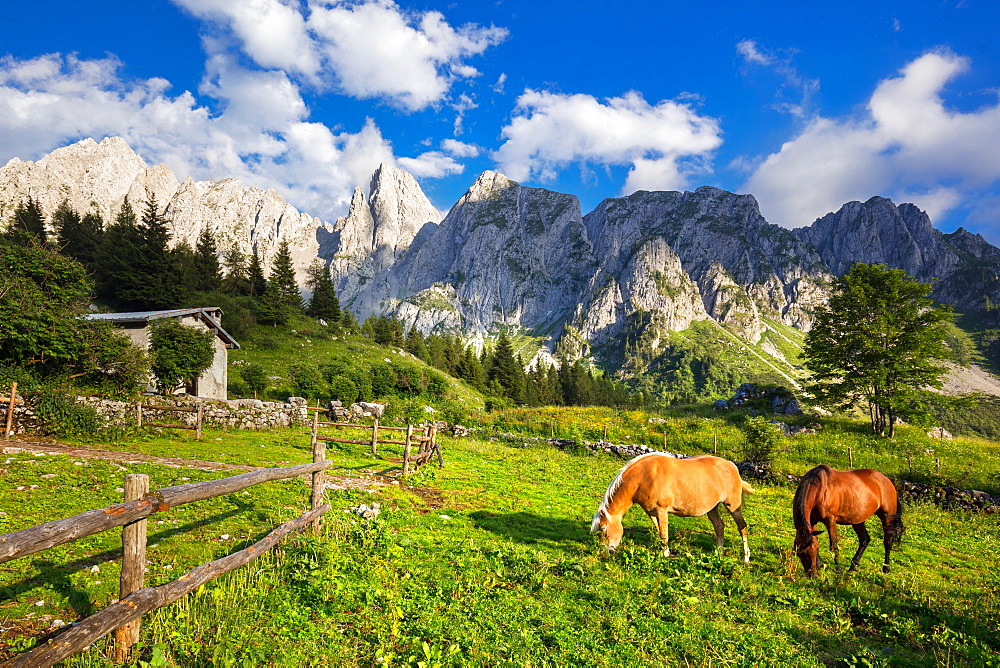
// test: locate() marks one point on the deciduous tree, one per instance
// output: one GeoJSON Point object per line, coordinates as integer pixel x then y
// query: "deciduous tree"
{"type": "Point", "coordinates": [878, 341]}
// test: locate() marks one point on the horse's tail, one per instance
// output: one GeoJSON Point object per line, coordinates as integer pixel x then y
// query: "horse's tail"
{"type": "Point", "coordinates": [747, 489]}
{"type": "Point", "coordinates": [894, 528]}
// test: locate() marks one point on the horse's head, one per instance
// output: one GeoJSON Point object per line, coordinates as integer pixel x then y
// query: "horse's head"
{"type": "Point", "coordinates": [807, 549]}
{"type": "Point", "coordinates": [609, 527]}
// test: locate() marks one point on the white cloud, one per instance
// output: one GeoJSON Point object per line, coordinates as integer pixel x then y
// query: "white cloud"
{"type": "Point", "coordinates": [272, 32]}
{"type": "Point", "coordinates": [367, 49]}
{"type": "Point", "coordinates": [908, 145]}
{"type": "Point", "coordinates": [664, 143]}
{"type": "Point", "coordinates": [748, 49]}
{"type": "Point", "coordinates": [432, 164]}
{"type": "Point", "coordinates": [460, 149]}
{"type": "Point", "coordinates": [264, 140]}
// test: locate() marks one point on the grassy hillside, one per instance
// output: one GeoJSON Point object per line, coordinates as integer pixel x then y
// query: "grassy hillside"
{"type": "Point", "coordinates": [305, 347]}
{"type": "Point", "coordinates": [489, 560]}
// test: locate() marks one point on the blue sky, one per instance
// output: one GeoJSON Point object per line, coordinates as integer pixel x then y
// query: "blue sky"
{"type": "Point", "coordinates": [805, 105]}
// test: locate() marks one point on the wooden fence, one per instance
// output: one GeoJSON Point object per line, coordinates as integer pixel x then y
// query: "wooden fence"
{"type": "Point", "coordinates": [177, 409]}
{"type": "Point", "coordinates": [425, 440]}
{"type": "Point", "coordinates": [124, 616]}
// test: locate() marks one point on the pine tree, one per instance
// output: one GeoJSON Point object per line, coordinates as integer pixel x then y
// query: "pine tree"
{"type": "Point", "coordinates": [506, 370]}
{"type": "Point", "coordinates": [237, 279]}
{"type": "Point", "coordinates": [255, 274]}
{"type": "Point", "coordinates": [208, 277]}
{"type": "Point", "coordinates": [162, 287]}
{"type": "Point", "coordinates": [79, 238]}
{"type": "Point", "coordinates": [113, 266]}
{"type": "Point", "coordinates": [28, 224]}
{"type": "Point", "coordinates": [323, 303]}
{"type": "Point", "coordinates": [273, 307]}
{"type": "Point", "coordinates": [283, 278]}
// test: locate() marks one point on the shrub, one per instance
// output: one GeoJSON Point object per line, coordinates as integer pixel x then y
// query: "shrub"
{"type": "Point", "coordinates": [60, 415]}
{"type": "Point", "coordinates": [344, 389]}
{"type": "Point", "coordinates": [255, 377]}
{"type": "Point", "coordinates": [761, 440]}
{"type": "Point", "coordinates": [307, 381]}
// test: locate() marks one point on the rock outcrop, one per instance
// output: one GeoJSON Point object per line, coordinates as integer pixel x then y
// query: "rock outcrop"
{"type": "Point", "coordinates": [962, 266]}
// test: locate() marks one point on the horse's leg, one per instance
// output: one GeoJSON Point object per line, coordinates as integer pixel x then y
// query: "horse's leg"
{"type": "Point", "coordinates": [659, 517]}
{"type": "Point", "coordinates": [720, 528]}
{"type": "Point", "coordinates": [741, 525]}
{"type": "Point", "coordinates": [863, 540]}
{"type": "Point", "coordinates": [831, 529]}
{"type": "Point", "coordinates": [886, 539]}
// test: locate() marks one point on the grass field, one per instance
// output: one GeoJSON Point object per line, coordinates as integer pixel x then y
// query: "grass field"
{"type": "Point", "coordinates": [489, 560]}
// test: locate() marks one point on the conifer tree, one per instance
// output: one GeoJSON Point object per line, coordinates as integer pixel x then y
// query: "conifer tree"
{"type": "Point", "coordinates": [237, 278]}
{"type": "Point", "coordinates": [119, 245]}
{"type": "Point", "coordinates": [255, 274]}
{"type": "Point", "coordinates": [79, 238]}
{"type": "Point", "coordinates": [323, 303]}
{"type": "Point", "coordinates": [28, 224]}
{"type": "Point", "coordinates": [208, 277]}
{"type": "Point", "coordinates": [161, 285]}
{"type": "Point", "coordinates": [273, 307]}
{"type": "Point", "coordinates": [506, 370]}
{"type": "Point", "coordinates": [282, 278]}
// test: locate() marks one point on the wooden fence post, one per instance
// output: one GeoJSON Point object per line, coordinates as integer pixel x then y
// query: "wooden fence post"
{"type": "Point", "coordinates": [133, 564]}
{"type": "Point", "coordinates": [197, 433]}
{"type": "Point", "coordinates": [138, 414]}
{"type": "Point", "coordinates": [318, 477]}
{"type": "Point", "coordinates": [434, 444]}
{"type": "Point", "coordinates": [11, 400]}
{"type": "Point", "coordinates": [406, 448]}
{"type": "Point", "coordinates": [605, 437]}
{"type": "Point", "coordinates": [715, 444]}
{"type": "Point", "coordinates": [850, 458]}
{"type": "Point", "coordinates": [374, 436]}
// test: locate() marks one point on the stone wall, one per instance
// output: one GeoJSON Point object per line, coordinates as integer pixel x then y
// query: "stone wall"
{"type": "Point", "coordinates": [234, 414]}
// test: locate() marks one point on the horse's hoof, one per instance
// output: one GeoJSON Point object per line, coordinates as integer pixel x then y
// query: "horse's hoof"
{"type": "Point", "coordinates": [885, 569]}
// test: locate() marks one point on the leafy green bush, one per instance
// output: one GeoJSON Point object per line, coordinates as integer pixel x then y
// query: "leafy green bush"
{"type": "Point", "coordinates": [307, 381]}
{"type": "Point", "coordinates": [59, 414]}
{"type": "Point", "coordinates": [761, 439]}
{"type": "Point", "coordinates": [343, 389]}
{"type": "Point", "coordinates": [179, 353]}
{"type": "Point", "coordinates": [255, 377]}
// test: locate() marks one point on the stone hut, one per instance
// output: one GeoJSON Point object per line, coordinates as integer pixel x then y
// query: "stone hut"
{"type": "Point", "coordinates": [213, 383]}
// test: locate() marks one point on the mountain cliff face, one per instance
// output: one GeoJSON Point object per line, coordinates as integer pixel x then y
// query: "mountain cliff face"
{"type": "Point", "coordinates": [100, 176]}
{"type": "Point", "coordinates": [504, 255]}
{"type": "Point", "coordinates": [962, 266]}
{"type": "Point", "coordinates": [709, 254]}
{"type": "Point", "coordinates": [621, 280]}
{"type": "Point", "coordinates": [377, 231]}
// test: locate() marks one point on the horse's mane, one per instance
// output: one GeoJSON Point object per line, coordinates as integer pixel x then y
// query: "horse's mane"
{"type": "Point", "coordinates": [813, 478]}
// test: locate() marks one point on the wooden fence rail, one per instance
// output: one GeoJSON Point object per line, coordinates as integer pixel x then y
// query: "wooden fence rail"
{"type": "Point", "coordinates": [124, 616]}
{"type": "Point", "coordinates": [178, 409]}
{"type": "Point", "coordinates": [425, 441]}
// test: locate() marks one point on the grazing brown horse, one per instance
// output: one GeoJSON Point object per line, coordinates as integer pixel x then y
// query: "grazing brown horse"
{"type": "Point", "coordinates": [662, 484]}
{"type": "Point", "coordinates": [844, 497]}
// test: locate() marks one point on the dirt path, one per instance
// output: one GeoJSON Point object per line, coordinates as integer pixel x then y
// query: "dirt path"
{"type": "Point", "coordinates": [366, 480]}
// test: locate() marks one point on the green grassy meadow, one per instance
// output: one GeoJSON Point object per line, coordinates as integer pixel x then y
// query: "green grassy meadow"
{"type": "Point", "coordinates": [489, 561]}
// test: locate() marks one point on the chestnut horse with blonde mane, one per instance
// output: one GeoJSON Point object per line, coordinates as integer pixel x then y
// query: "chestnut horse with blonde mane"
{"type": "Point", "coordinates": [844, 497]}
{"type": "Point", "coordinates": [664, 485]}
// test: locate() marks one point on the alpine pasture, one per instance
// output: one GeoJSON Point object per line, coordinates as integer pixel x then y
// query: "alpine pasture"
{"type": "Point", "coordinates": [489, 561]}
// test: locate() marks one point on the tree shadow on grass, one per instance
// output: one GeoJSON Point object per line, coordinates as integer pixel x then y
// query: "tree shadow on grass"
{"type": "Point", "coordinates": [532, 529]}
